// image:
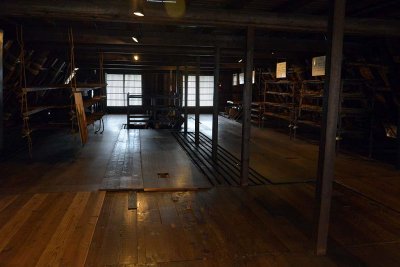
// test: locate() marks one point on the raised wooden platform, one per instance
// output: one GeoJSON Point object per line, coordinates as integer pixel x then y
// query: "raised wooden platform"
{"type": "Point", "coordinates": [145, 159]}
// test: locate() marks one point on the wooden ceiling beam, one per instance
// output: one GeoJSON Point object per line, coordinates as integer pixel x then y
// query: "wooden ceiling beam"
{"type": "Point", "coordinates": [121, 11]}
{"type": "Point", "coordinates": [204, 42]}
{"type": "Point", "coordinates": [173, 61]}
{"type": "Point", "coordinates": [144, 67]}
{"type": "Point", "coordinates": [382, 5]}
{"type": "Point", "coordinates": [291, 5]}
{"type": "Point", "coordinates": [125, 38]}
{"type": "Point", "coordinates": [236, 4]}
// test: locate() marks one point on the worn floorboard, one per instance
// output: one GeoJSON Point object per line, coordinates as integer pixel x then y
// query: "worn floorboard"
{"type": "Point", "coordinates": [124, 169]}
{"type": "Point", "coordinates": [161, 154]}
{"type": "Point", "coordinates": [51, 229]}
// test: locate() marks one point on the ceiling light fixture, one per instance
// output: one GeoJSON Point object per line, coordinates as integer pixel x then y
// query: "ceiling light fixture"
{"type": "Point", "coordinates": [135, 39]}
{"type": "Point", "coordinates": [136, 57]}
{"type": "Point", "coordinates": [138, 8]}
{"type": "Point", "coordinates": [240, 60]}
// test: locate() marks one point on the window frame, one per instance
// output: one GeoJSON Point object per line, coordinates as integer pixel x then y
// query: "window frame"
{"type": "Point", "coordinates": [113, 102]}
{"type": "Point", "coordinates": [207, 91]}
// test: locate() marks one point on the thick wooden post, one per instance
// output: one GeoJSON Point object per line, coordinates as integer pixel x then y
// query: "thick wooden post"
{"type": "Point", "coordinates": [176, 79]}
{"type": "Point", "coordinates": [216, 105]}
{"type": "Point", "coordinates": [186, 98]}
{"type": "Point", "coordinates": [177, 88]}
{"type": "Point", "coordinates": [197, 111]}
{"type": "Point", "coordinates": [171, 85]}
{"type": "Point", "coordinates": [1, 95]}
{"type": "Point", "coordinates": [398, 138]}
{"type": "Point", "coordinates": [247, 97]}
{"type": "Point", "coordinates": [326, 162]}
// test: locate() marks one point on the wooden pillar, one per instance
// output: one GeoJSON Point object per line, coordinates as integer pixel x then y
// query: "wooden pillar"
{"type": "Point", "coordinates": [180, 86]}
{"type": "Point", "coordinates": [247, 97]}
{"type": "Point", "coordinates": [197, 111]}
{"type": "Point", "coordinates": [326, 162]}
{"type": "Point", "coordinates": [216, 105]}
{"type": "Point", "coordinates": [176, 79]}
{"type": "Point", "coordinates": [1, 95]}
{"type": "Point", "coordinates": [170, 87]}
{"type": "Point", "coordinates": [177, 90]}
{"type": "Point", "coordinates": [398, 137]}
{"type": "Point", "coordinates": [186, 98]}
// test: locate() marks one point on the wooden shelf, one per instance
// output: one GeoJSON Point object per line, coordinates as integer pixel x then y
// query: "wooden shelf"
{"type": "Point", "coordinates": [79, 88]}
{"type": "Point", "coordinates": [38, 89]}
{"type": "Point", "coordinates": [279, 93]}
{"type": "Point", "coordinates": [276, 115]}
{"type": "Point", "coordinates": [363, 64]}
{"type": "Point", "coordinates": [279, 105]}
{"type": "Point", "coordinates": [33, 110]}
{"type": "Point", "coordinates": [280, 100]}
{"type": "Point", "coordinates": [353, 96]}
{"type": "Point", "coordinates": [90, 102]}
{"type": "Point", "coordinates": [312, 94]}
{"type": "Point", "coordinates": [313, 82]}
{"type": "Point", "coordinates": [353, 112]}
{"type": "Point", "coordinates": [88, 87]}
{"type": "Point", "coordinates": [91, 118]}
{"type": "Point", "coordinates": [311, 108]}
{"type": "Point", "coordinates": [309, 123]}
{"type": "Point", "coordinates": [280, 82]}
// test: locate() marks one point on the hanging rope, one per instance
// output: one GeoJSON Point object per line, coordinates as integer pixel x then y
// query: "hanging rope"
{"type": "Point", "coordinates": [72, 77]}
{"type": "Point", "coordinates": [72, 60]}
{"type": "Point", "coordinates": [100, 107]}
{"type": "Point", "coordinates": [101, 69]}
{"type": "Point", "coordinates": [26, 131]}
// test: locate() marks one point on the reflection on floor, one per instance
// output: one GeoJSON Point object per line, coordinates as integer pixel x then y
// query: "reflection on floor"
{"type": "Point", "coordinates": [52, 212]}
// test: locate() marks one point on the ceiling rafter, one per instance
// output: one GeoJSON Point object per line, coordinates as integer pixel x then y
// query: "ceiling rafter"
{"type": "Point", "coordinates": [101, 11]}
{"type": "Point", "coordinates": [372, 9]}
{"type": "Point", "coordinates": [291, 5]}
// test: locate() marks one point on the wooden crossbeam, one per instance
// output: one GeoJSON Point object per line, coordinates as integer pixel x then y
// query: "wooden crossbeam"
{"type": "Point", "coordinates": [121, 11]}
{"type": "Point", "coordinates": [291, 5]}
{"type": "Point", "coordinates": [1, 92]}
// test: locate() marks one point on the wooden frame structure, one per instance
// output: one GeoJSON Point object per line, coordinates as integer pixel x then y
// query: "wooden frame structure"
{"type": "Point", "coordinates": [327, 154]}
{"type": "Point", "coordinates": [247, 97]}
{"type": "Point", "coordinates": [1, 94]}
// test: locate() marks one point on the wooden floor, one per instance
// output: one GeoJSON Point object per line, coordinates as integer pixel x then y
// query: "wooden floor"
{"type": "Point", "coordinates": [282, 160]}
{"type": "Point", "coordinates": [225, 226]}
{"type": "Point", "coordinates": [48, 229]}
{"type": "Point", "coordinates": [54, 210]}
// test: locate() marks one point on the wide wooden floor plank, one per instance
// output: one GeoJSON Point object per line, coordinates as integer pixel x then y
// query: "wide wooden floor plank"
{"type": "Point", "coordinates": [379, 255]}
{"type": "Point", "coordinates": [52, 255]}
{"type": "Point", "coordinates": [78, 243]}
{"type": "Point", "coordinates": [12, 208]}
{"type": "Point", "coordinates": [161, 153]}
{"type": "Point", "coordinates": [22, 215]}
{"type": "Point", "coordinates": [124, 169]}
{"type": "Point", "coordinates": [114, 241]}
{"type": "Point", "coordinates": [6, 200]}
{"type": "Point", "coordinates": [29, 242]}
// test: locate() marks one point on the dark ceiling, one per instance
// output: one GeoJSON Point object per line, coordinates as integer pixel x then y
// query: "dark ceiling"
{"type": "Point", "coordinates": [284, 28]}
